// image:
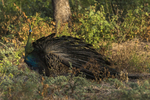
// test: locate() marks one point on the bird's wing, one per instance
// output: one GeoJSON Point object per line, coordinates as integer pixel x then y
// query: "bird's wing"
{"type": "Point", "coordinates": [68, 50]}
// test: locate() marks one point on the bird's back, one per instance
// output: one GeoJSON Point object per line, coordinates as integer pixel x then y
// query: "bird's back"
{"type": "Point", "coordinates": [68, 50]}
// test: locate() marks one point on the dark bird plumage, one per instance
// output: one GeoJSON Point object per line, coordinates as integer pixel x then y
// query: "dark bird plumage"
{"type": "Point", "coordinates": [46, 52]}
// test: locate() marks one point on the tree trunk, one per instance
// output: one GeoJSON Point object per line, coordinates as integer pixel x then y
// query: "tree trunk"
{"type": "Point", "coordinates": [61, 11]}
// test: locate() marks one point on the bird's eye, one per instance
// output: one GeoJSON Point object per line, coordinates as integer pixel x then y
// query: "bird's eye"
{"type": "Point", "coordinates": [30, 30]}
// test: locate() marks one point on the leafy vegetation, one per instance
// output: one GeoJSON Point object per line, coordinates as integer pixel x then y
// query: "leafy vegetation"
{"type": "Point", "coordinates": [116, 29]}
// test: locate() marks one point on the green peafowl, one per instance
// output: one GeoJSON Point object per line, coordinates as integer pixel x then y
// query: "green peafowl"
{"type": "Point", "coordinates": [44, 54]}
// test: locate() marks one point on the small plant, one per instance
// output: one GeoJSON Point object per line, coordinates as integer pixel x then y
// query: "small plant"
{"type": "Point", "coordinates": [137, 91]}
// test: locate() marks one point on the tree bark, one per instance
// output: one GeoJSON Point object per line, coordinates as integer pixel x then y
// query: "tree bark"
{"type": "Point", "coordinates": [61, 11]}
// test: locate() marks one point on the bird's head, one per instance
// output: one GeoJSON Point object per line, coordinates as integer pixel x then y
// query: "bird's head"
{"type": "Point", "coordinates": [28, 47]}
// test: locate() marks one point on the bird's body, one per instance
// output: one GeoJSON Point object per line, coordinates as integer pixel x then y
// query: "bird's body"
{"type": "Point", "coordinates": [48, 52]}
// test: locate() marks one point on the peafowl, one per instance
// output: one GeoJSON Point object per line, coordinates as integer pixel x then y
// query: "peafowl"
{"type": "Point", "coordinates": [48, 52]}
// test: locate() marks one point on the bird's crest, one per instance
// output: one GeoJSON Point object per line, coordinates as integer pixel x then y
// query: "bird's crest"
{"type": "Point", "coordinates": [30, 27]}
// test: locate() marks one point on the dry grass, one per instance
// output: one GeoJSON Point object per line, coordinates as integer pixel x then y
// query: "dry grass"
{"type": "Point", "coordinates": [132, 55]}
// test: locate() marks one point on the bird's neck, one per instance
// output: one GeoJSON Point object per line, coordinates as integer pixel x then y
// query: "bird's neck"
{"type": "Point", "coordinates": [29, 48]}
